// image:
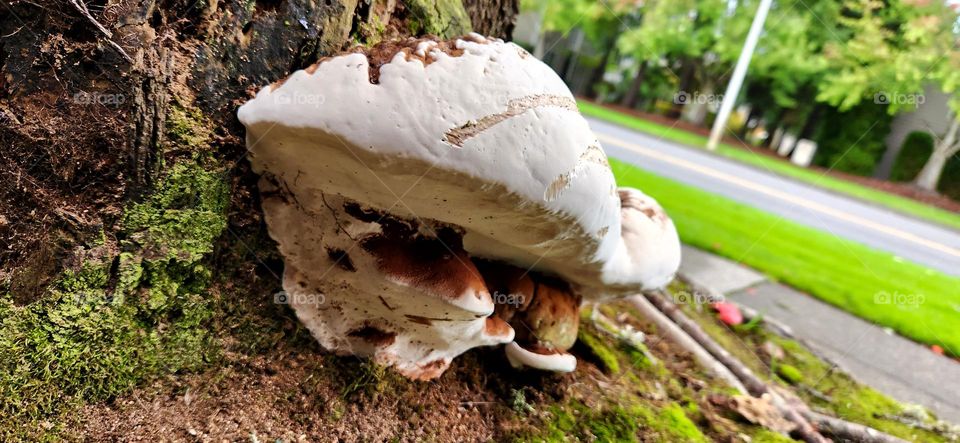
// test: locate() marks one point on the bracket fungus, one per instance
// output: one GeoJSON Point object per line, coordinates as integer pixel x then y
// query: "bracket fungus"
{"type": "Point", "coordinates": [431, 196]}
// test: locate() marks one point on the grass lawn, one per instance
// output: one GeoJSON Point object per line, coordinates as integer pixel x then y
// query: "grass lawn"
{"type": "Point", "coordinates": [896, 202]}
{"type": "Point", "coordinates": [856, 278]}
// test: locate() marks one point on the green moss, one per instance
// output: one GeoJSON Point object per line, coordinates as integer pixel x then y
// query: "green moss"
{"type": "Point", "coordinates": [182, 217]}
{"type": "Point", "coordinates": [187, 128]}
{"type": "Point", "coordinates": [768, 436]}
{"type": "Point", "coordinates": [603, 355]}
{"type": "Point", "coordinates": [577, 420]}
{"type": "Point", "coordinates": [518, 402]}
{"type": "Point", "coordinates": [617, 422]}
{"type": "Point", "coordinates": [364, 378]}
{"type": "Point", "coordinates": [848, 399]}
{"type": "Point", "coordinates": [443, 18]}
{"type": "Point", "coordinates": [116, 320]}
{"type": "Point", "coordinates": [371, 32]}
{"type": "Point", "coordinates": [845, 398]}
{"type": "Point", "coordinates": [672, 424]}
{"type": "Point", "coordinates": [789, 374]}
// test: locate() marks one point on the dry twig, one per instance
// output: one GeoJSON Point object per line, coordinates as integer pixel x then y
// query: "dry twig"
{"type": "Point", "coordinates": [82, 8]}
{"type": "Point", "coordinates": [794, 411]}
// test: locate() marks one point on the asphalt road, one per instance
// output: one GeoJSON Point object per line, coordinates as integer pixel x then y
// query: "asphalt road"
{"type": "Point", "coordinates": [919, 241]}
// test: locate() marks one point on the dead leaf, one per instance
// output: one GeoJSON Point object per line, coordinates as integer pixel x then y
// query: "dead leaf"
{"type": "Point", "coordinates": [760, 411]}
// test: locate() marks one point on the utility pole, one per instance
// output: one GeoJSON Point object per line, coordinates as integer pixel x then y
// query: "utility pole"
{"type": "Point", "coordinates": [736, 81]}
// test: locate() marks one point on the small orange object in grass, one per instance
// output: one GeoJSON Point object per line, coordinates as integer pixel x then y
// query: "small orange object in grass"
{"type": "Point", "coordinates": [728, 313]}
{"type": "Point", "coordinates": [937, 349]}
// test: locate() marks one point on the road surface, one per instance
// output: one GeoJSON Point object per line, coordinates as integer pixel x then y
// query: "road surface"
{"type": "Point", "coordinates": [922, 242]}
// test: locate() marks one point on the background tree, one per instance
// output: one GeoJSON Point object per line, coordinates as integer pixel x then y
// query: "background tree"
{"type": "Point", "coordinates": [680, 31]}
{"type": "Point", "coordinates": [787, 64]}
{"type": "Point", "coordinates": [894, 52]}
{"type": "Point", "coordinates": [600, 21]}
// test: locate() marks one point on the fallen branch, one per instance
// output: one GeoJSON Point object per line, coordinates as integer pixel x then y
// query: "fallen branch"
{"type": "Point", "coordinates": [949, 431]}
{"type": "Point", "coordinates": [749, 314]}
{"type": "Point", "coordinates": [754, 386]}
{"type": "Point", "coordinates": [675, 334]}
{"type": "Point", "coordinates": [793, 409]}
{"type": "Point", "coordinates": [82, 8]}
{"type": "Point", "coordinates": [815, 393]}
{"type": "Point", "coordinates": [842, 429]}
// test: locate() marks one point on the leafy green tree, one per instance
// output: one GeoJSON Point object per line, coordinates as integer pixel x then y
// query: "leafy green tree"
{"type": "Point", "coordinates": [787, 63]}
{"type": "Point", "coordinates": [600, 21]}
{"type": "Point", "coordinates": [681, 30]}
{"type": "Point", "coordinates": [896, 49]}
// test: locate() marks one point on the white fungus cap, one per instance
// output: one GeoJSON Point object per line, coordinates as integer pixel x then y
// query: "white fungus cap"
{"type": "Point", "coordinates": [364, 156]}
{"type": "Point", "coordinates": [482, 136]}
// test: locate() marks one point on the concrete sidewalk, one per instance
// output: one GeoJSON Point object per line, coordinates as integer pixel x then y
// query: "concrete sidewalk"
{"type": "Point", "coordinates": [903, 369]}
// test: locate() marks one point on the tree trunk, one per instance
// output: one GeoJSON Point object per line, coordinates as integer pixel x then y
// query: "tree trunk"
{"type": "Point", "coordinates": [493, 17]}
{"type": "Point", "coordinates": [754, 112]}
{"type": "Point", "coordinates": [630, 98]}
{"type": "Point", "coordinates": [813, 121]}
{"type": "Point", "coordinates": [772, 127]}
{"type": "Point", "coordinates": [596, 76]}
{"type": "Point", "coordinates": [929, 176]}
{"type": "Point", "coordinates": [686, 80]}
{"type": "Point", "coordinates": [125, 82]}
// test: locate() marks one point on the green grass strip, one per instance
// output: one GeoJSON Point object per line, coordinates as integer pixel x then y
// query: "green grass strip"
{"type": "Point", "coordinates": [915, 301]}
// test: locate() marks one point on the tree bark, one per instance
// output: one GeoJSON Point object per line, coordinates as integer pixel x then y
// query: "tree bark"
{"type": "Point", "coordinates": [493, 17]}
{"type": "Point", "coordinates": [929, 176]}
{"type": "Point", "coordinates": [125, 192]}
{"type": "Point", "coordinates": [754, 112]}
{"type": "Point", "coordinates": [596, 76]}
{"type": "Point", "coordinates": [813, 120]}
{"type": "Point", "coordinates": [117, 74]}
{"type": "Point", "coordinates": [686, 80]}
{"type": "Point", "coordinates": [772, 126]}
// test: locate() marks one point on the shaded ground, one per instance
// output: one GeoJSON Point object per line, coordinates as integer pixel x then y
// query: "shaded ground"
{"type": "Point", "coordinates": [295, 392]}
